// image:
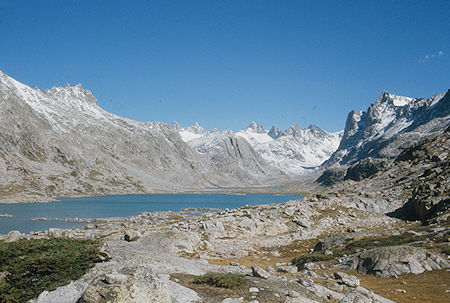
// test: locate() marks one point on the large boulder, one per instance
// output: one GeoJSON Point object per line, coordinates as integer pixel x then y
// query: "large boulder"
{"type": "Point", "coordinates": [429, 200]}
{"type": "Point", "coordinates": [131, 235]}
{"type": "Point", "coordinates": [137, 285]}
{"type": "Point", "coordinates": [13, 236]}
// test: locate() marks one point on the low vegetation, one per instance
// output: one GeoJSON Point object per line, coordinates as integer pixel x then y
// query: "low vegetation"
{"type": "Point", "coordinates": [28, 267]}
{"type": "Point", "coordinates": [299, 261]}
{"type": "Point", "coordinates": [225, 280]}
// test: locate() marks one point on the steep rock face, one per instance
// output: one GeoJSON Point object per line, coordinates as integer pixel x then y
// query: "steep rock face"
{"type": "Point", "coordinates": [390, 125]}
{"type": "Point", "coordinates": [60, 142]}
{"type": "Point", "coordinates": [234, 156]}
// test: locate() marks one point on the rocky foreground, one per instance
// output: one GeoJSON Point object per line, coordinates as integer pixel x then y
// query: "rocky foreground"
{"type": "Point", "coordinates": [151, 257]}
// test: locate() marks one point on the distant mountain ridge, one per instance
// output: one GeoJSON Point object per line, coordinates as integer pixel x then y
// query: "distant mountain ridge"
{"type": "Point", "coordinates": [293, 151]}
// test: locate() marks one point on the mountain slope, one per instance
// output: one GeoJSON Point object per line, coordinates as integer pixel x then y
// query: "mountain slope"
{"type": "Point", "coordinates": [60, 142]}
{"type": "Point", "coordinates": [390, 125]}
{"type": "Point", "coordinates": [234, 156]}
{"type": "Point", "coordinates": [296, 150]}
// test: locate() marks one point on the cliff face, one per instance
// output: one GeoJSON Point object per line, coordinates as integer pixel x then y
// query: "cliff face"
{"type": "Point", "coordinates": [390, 125]}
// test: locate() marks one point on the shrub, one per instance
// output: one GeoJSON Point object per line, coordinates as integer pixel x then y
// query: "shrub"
{"type": "Point", "coordinates": [313, 257]}
{"type": "Point", "coordinates": [221, 280]}
{"type": "Point", "coordinates": [32, 266]}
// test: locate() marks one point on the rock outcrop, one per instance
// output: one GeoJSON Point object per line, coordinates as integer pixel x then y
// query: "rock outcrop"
{"type": "Point", "coordinates": [394, 261]}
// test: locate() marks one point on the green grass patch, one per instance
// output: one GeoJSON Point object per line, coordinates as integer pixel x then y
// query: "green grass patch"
{"type": "Point", "coordinates": [225, 280]}
{"type": "Point", "coordinates": [313, 257]}
{"type": "Point", "coordinates": [32, 266]}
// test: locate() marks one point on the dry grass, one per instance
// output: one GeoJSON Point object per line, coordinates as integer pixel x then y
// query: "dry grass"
{"type": "Point", "coordinates": [426, 287]}
{"type": "Point", "coordinates": [10, 190]}
{"type": "Point", "coordinates": [266, 258]}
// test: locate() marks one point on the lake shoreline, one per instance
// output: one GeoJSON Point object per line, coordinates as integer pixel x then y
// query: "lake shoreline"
{"type": "Point", "coordinates": [269, 189]}
{"type": "Point", "coordinates": [71, 212]}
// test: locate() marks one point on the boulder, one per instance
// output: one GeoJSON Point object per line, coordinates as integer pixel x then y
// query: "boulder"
{"type": "Point", "coordinates": [349, 280]}
{"type": "Point", "coordinates": [69, 293]}
{"type": "Point", "coordinates": [13, 236]}
{"type": "Point", "coordinates": [137, 285]}
{"type": "Point", "coordinates": [259, 272]}
{"type": "Point", "coordinates": [131, 235]}
{"type": "Point", "coordinates": [355, 298]}
{"type": "Point", "coordinates": [288, 269]}
{"type": "Point", "coordinates": [116, 278]}
{"type": "Point", "coordinates": [429, 200]}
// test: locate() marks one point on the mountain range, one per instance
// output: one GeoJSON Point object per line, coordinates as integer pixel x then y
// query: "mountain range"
{"type": "Point", "coordinates": [60, 142]}
{"type": "Point", "coordinates": [294, 151]}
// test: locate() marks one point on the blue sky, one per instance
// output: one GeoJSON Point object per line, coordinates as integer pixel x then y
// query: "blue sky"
{"type": "Point", "coordinates": [225, 63]}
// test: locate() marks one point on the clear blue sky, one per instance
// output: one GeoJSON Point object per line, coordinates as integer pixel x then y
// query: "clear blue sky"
{"type": "Point", "coordinates": [225, 63]}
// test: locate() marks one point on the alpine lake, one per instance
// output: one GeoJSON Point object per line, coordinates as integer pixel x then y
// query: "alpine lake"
{"type": "Point", "coordinates": [77, 212]}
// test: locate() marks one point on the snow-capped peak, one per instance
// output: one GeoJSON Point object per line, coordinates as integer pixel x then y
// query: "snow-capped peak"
{"type": "Point", "coordinates": [255, 134]}
{"type": "Point", "coordinates": [256, 128]}
{"type": "Point", "coordinates": [196, 129]}
{"type": "Point", "coordinates": [395, 100]}
{"type": "Point", "coordinates": [291, 131]}
{"type": "Point", "coordinates": [72, 92]}
{"type": "Point", "coordinates": [370, 132]}
{"type": "Point", "coordinates": [191, 132]}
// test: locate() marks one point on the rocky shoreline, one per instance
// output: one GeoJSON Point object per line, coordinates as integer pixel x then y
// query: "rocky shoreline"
{"type": "Point", "coordinates": [147, 251]}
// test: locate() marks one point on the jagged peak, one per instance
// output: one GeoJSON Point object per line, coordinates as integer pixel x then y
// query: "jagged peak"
{"type": "Point", "coordinates": [76, 92]}
{"type": "Point", "coordinates": [314, 127]}
{"type": "Point", "coordinates": [274, 132]}
{"type": "Point", "coordinates": [176, 126]}
{"type": "Point", "coordinates": [196, 128]}
{"type": "Point", "coordinates": [291, 131]}
{"type": "Point", "coordinates": [393, 99]}
{"type": "Point", "coordinates": [256, 127]}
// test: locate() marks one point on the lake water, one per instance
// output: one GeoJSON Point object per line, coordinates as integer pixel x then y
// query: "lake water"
{"type": "Point", "coordinates": [119, 206]}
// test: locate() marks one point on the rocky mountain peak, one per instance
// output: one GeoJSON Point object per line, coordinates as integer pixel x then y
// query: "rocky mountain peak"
{"type": "Point", "coordinates": [196, 129]}
{"type": "Point", "coordinates": [274, 132]}
{"type": "Point", "coordinates": [369, 133]}
{"type": "Point", "coordinates": [176, 126]}
{"type": "Point", "coordinates": [72, 92]}
{"type": "Point", "coordinates": [393, 100]}
{"type": "Point", "coordinates": [256, 127]}
{"type": "Point", "coordinates": [291, 131]}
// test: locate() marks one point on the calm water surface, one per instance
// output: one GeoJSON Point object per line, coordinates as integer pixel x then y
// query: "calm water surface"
{"type": "Point", "coordinates": [119, 206]}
